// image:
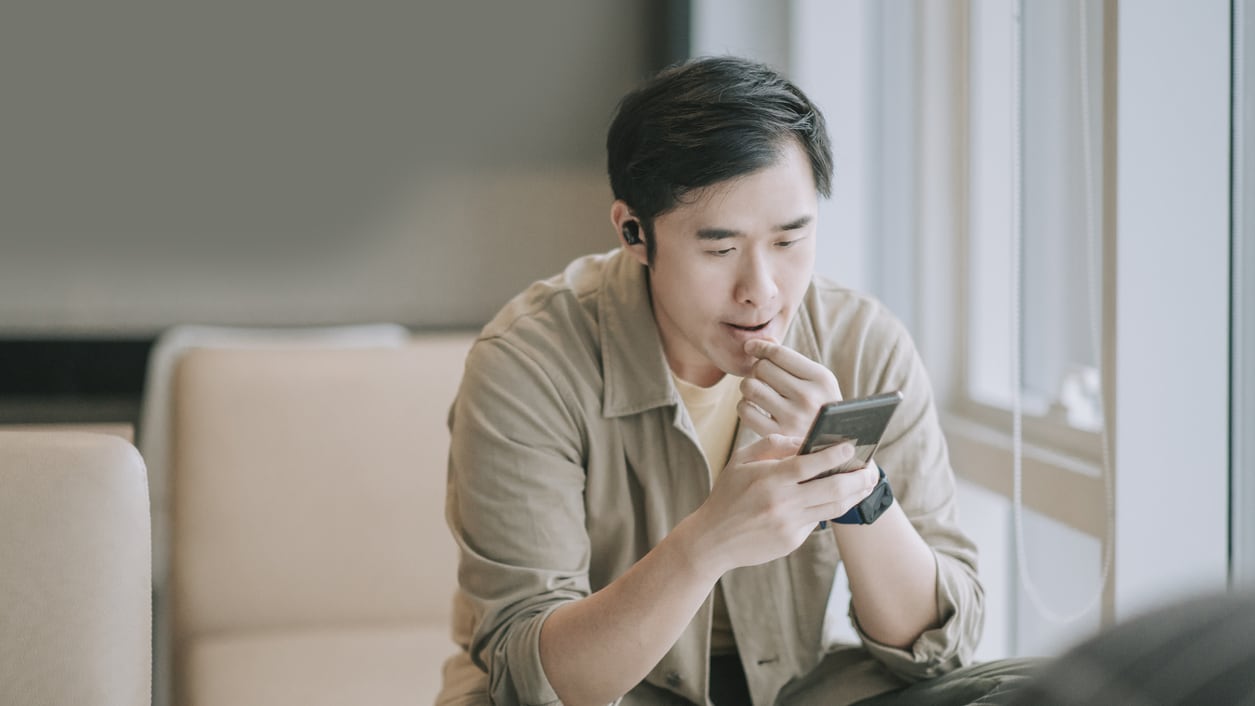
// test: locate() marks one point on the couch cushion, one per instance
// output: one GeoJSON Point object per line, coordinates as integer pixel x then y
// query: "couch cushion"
{"type": "Point", "coordinates": [309, 487]}
{"type": "Point", "coordinates": [316, 667]}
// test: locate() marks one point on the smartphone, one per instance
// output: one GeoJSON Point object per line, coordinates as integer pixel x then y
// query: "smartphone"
{"type": "Point", "coordinates": [861, 422]}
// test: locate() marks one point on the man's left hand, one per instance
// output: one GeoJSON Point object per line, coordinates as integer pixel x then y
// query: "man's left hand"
{"type": "Point", "coordinates": [784, 390]}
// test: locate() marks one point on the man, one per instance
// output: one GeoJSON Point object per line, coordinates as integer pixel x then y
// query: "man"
{"type": "Point", "coordinates": [624, 483]}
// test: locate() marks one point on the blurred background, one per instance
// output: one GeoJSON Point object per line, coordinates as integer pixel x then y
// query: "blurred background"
{"type": "Point", "coordinates": [282, 163]}
{"type": "Point", "coordinates": [1051, 195]}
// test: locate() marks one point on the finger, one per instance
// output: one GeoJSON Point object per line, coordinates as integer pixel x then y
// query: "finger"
{"type": "Point", "coordinates": [757, 419]}
{"type": "Point", "coordinates": [820, 514]}
{"type": "Point", "coordinates": [772, 446]}
{"type": "Point", "coordinates": [786, 358]}
{"type": "Point", "coordinates": [847, 489]}
{"type": "Point", "coordinates": [786, 417]}
{"type": "Point", "coordinates": [764, 397]}
{"type": "Point", "coordinates": [782, 382]}
{"type": "Point", "coordinates": [805, 468]}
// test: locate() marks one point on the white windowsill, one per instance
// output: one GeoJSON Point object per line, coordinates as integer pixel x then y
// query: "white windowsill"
{"type": "Point", "coordinates": [1067, 489]}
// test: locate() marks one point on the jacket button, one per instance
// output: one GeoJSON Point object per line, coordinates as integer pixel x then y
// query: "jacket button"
{"type": "Point", "coordinates": [674, 679]}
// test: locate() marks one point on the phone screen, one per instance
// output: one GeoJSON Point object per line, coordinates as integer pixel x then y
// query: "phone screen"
{"type": "Point", "coordinates": [861, 422]}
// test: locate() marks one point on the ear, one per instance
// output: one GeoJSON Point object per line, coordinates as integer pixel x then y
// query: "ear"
{"type": "Point", "coordinates": [620, 216]}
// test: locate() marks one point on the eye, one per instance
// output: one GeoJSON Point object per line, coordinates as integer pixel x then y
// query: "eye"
{"type": "Point", "coordinates": [788, 243]}
{"type": "Point", "coordinates": [720, 253]}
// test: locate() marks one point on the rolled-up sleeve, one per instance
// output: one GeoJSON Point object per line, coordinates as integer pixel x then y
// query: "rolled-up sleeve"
{"type": "Point", "coordinates": [516, 509]}
{"type": "Point", "coordinates": [916, 461]}
{"type": "Point", "coordinates": [943, 648]}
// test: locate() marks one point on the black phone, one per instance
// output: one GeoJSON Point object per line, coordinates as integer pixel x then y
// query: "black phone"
{"type": "Point", "coordinates": [861, 422]}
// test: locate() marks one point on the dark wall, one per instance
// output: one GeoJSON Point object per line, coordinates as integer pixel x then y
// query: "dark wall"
{"type": "Point", "coordinates": [284, 162]}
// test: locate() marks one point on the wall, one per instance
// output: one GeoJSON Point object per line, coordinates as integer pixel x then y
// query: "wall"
{"type": "Point", "coordinates": [284, 162]}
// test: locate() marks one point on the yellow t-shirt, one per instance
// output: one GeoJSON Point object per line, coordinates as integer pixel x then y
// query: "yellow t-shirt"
{"type": "Point", "coordinates": [713, 412]}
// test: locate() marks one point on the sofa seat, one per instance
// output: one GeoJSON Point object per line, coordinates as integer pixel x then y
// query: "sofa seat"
{"type": "Point", "coordinates": [393, 665]}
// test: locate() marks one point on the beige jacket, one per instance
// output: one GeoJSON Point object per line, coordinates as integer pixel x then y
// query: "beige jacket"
{"type": "Point", "coordinates": [572, 456]}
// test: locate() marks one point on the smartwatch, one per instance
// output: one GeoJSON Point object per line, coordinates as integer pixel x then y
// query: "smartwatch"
{"type": "Point", "coordinates": [873, 506]}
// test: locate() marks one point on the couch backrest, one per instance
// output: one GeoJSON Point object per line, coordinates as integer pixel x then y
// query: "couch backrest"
{"type": "Point", "coordinates": [308, 486]}
{"type": "Point", "coordinates": [75, 581]}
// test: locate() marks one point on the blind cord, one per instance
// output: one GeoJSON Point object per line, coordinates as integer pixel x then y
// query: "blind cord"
{"type": "Point", "coordinates": [1017, 267]}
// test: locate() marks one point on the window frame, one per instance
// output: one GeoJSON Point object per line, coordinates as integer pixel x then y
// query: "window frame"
{"type": "Point", "coordinates": [1041, 430]}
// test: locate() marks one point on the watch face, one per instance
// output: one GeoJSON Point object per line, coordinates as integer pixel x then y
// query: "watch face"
{"type": "Point", "coordinates": [876, 503]}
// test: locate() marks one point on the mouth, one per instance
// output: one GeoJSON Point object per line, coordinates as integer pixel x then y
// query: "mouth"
{"type": "Point", "coordinates": [749, 329]}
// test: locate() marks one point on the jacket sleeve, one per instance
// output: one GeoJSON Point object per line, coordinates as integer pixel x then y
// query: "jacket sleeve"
{"type": "Point", "coordinates": [915, 459]}
{"type": "Point", "coordinates": [516, 509]}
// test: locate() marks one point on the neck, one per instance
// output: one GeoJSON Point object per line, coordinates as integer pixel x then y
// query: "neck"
{"type": "Point", "coordinates": [699, 375]}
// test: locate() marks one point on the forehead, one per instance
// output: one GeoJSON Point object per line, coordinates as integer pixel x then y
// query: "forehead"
{"type": "Point", "coordinates": [778, 193]}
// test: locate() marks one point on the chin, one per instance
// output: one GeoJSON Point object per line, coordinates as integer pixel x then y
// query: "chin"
{"type": "Point", "coordinates": [738, 365]}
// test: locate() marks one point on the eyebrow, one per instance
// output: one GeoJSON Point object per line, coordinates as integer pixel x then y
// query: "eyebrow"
{"type": "Point", "coordinates": [725, 233]}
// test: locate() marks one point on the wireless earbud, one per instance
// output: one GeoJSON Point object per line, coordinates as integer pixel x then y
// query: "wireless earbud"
{"type": "Point", "coordinates": [632, 233]}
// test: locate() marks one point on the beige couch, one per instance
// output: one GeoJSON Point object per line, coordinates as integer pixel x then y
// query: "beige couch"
{"type": "Point", "coordinates": [75, 604]}
{"type": "Point", "coordinates": [310, 561]}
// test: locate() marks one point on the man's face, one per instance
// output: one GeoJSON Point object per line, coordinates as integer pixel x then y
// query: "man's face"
{"type": "Point", "coordinates": [732, 263]}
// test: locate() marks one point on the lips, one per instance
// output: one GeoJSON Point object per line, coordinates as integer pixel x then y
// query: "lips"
{"type": "Point", "coordinates": [751, 328]}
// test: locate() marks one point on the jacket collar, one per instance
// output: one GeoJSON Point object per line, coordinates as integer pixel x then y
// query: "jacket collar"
{"type": "Point", "coordinates": [635, 370]}
{"type": "Point", "coordinates": [633, 365]}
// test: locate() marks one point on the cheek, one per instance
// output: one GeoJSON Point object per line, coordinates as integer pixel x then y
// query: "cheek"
{"type": "Point", "coordinates": [690, 299]}
{"type": "Point", "coordinates": [798, 283]}
{"type": "Point", "coordinates": [798, 276]}
{"type": "Point", "coordinates": [703, 291]}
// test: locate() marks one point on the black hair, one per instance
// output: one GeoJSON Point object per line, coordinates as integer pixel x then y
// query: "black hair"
{"type": "Point", "coordinates": [703, 122]}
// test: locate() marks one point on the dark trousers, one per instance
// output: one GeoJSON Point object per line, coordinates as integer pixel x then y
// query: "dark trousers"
{"type": "Point", "coordinates": [988, 684]}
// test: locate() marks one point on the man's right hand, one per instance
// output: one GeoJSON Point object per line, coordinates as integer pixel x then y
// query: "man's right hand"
{"type": "Point", "coordinates": [761, 508]}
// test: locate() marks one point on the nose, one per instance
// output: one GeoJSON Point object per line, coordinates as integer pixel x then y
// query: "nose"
{"type": "Point", "coordinates": [756, 283]}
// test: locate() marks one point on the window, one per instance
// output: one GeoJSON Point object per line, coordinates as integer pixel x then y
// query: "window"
{"type": "Point", "coordinates": [1242, 437]}
{"type": "Point", "coordinates": [1045, 155]}
{"type": "Point", "coordinates": [1030, 313]}
{"type": "Point", "coordinates": [1055, 174]}
{"type": "Point", "coordinates": [928, 94]}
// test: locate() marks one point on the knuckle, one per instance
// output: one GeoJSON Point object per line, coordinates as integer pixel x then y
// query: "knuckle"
{"type": "Point", "coordinates": [773, 505]}
{"type": "Point", "coordinates": [778, 514]}
{"type": "Point", "coordinates": [871, 476]}
{"type": "Point", "coordinates": [779, 440]}
{"type": "Point", "coordinates": [782, 526]}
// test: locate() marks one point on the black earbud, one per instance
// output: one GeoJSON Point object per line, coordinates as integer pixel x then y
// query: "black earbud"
{"type": "Point", "coordinates": [632, 233]}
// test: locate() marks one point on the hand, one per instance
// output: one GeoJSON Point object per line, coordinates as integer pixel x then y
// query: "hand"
{"type": "Point", "coordinates": [784, 390]}
{"type": "Point", "coordinates": [764, 505]}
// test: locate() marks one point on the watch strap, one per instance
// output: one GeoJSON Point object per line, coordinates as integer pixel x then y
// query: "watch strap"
{"type": "Point", "coordinates": [871, 507]}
